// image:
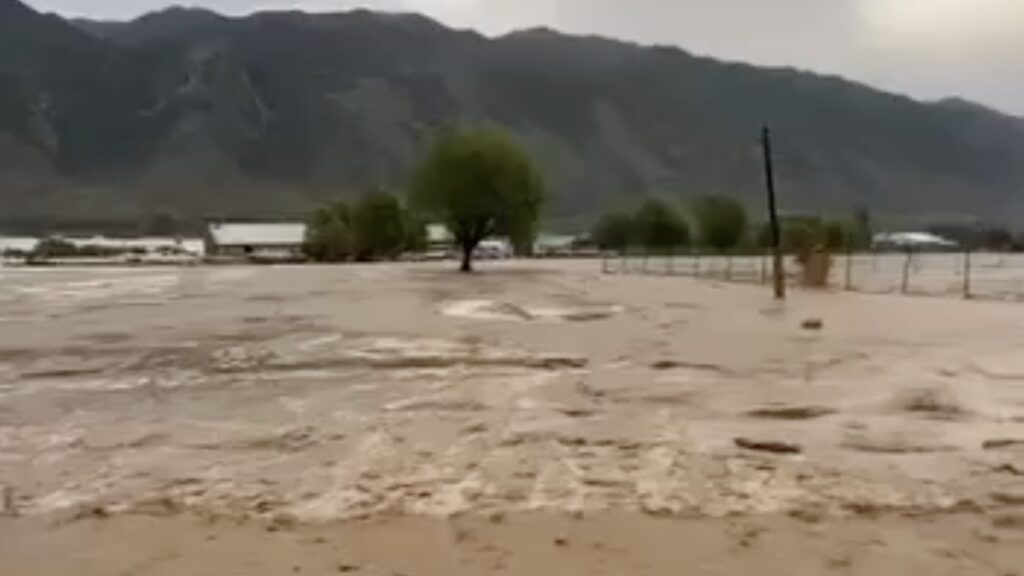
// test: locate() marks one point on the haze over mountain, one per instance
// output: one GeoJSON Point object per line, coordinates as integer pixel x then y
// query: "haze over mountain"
{"type": "Point", "coordinates": [190, 112]}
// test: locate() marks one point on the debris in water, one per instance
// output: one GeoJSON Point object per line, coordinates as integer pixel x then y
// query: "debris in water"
{"type": "Point", "coordinates": [936, 404]}
{"type": "Point", "coordinates": [791, 412]}
{"type": "Point", "coordinates": [812, 324]}
{"type": "Point", "coordinates": [1000, 443]}
{"type": "Point", "coordinates": [773, 446]}
{"type": "Point", "coordinates": [682, 364]}
{"type": "Point", "coordinates": [1009, 469]}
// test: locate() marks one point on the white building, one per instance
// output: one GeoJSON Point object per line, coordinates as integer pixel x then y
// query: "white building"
{"type": "Point", "coordinates": [494, 249]}
{"type": "Point", "coordinates": [439, 236]}
{"type": "Point", "coordinates": [146, 245]}
{"type": "Point", "coordinates": [266, 240]}
{"type": "Point", "coordinates": [554, 245]}
{"type": "Point", "coordinates": [17, 244]}
{"type": "Point", "coordinates": [911, 241]}
{"type": "Point", "coordinates": [441, 245]}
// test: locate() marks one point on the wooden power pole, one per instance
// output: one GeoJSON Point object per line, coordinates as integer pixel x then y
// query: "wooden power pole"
{"type": "Point", "coordinates": [778, 273]}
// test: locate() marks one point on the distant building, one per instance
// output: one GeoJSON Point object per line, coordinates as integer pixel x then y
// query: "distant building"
{"type": "Point", "coordinates": [142, 246]}
{"type": "Point", "coordinates": [440, 242]}
{"type": "Point", "coordinates": [441, 245]}
{"type": "Point", "coordinates": [911, 241]}
{"type": "Point", "coordinates": [256, 240]}
{"type": "Point", "coordinates": [439, 236]}
{"type": "Point", "coordinates": [549, 245]}
{"type": "Point", "coordinates": [17, 245]}
{"type": "Point", "coordinates": [494, 249]}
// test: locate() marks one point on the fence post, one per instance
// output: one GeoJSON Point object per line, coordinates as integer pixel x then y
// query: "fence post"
{"type": "Point", "coordinates": [906, 274]}
{"type": "Point", "coordinates": [848, 282]}
{"type": "Point", "coordinates": [967, 273]}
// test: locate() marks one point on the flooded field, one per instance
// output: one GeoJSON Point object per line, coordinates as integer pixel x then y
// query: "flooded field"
{"type": "Point", "coordinates": [524, 400]}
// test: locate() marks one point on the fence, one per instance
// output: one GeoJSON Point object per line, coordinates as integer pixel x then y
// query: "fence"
{"type": "Point", "coordinates": [965, 274]}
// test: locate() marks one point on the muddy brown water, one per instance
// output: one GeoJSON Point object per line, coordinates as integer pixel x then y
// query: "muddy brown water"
{"type": "Point", "coordinates": [340, 394]}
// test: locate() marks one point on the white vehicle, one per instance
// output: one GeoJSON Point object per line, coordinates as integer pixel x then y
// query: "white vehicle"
{"type": "Point", "coordinates": [493, 250]}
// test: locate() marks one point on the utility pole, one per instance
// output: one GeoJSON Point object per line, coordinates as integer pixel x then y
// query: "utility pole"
{"type": "Point", "coordinates": [779, 274]}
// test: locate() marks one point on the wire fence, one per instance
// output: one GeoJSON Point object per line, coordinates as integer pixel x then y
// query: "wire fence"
{"type": "Point", "coordinates": [965, 274]}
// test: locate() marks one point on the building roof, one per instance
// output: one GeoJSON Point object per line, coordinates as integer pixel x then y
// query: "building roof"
{"type": "Point", "coordinates": [18, 243]}
{"type": "Point", "coordinates": [912, 239]}
{"type": "Point", "coordinates": [555, 241]}
{"type": "Point", "coordinates": [257, 233]}
{"type": "Point", "coordinates": [438, 233]}
{"type": "Point", "coordinates": [147, 243]}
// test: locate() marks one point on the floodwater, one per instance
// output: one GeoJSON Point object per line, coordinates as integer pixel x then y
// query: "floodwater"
{"type": "Point", "coordinates": [305, 397]}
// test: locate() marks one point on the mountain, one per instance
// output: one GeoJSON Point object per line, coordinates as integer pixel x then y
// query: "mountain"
{"type": "Point", "coordinates": [192, 113]}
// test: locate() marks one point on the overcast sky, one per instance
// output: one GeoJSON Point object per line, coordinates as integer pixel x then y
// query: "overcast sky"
{"type": "Point", "coordinates": [928, 48]}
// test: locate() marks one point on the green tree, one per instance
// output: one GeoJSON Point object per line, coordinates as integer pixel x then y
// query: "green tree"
{"type": "Point", "coordinates": [479, 183]}
{"type": "Point", "coordinates": [800, 234]}
{"type": "Point", "coordinates": [414, 231]}
{"type": "Point", "coordinates": [53, 248]}
{"type": "Point", "coordinates": [722, 221]}
{"type": "Point", "coordinates": [614, 231]}
{"type": "Point", "coordinates": [998, 239]}
{"type": "Point", "coordinates": [836, 236]}
{"type": "Point", "coordinates": [329, 233]}
{"type": "Point", "coordinates": [378, 227]}
{"type": "Point", "coordinates": [862, 233]}
{"type": "Point", "coordinates": [522, 234]}
{"type": "Point", "coordinates": [659, 228]}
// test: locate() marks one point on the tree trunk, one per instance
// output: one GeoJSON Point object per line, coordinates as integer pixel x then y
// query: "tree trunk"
{"type": "Point", "coordinates": [467, 258]}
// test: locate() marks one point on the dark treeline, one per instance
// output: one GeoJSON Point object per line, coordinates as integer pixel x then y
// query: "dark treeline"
{"type": "Point", "coordinates": [721, 224]}
{"type": "Point", "coordinates": [980, 236]}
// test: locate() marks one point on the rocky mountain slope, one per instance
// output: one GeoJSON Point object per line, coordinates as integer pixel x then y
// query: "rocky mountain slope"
{"type": "Point", "coordinates": [196, 114]}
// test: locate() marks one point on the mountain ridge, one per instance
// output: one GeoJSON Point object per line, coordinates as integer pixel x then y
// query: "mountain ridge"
{"type": "Point", "coordinates": [199, 114]}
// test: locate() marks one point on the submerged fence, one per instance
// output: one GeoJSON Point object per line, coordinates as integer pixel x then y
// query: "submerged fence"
{"type": "Point", "coordinates": [963, 274]}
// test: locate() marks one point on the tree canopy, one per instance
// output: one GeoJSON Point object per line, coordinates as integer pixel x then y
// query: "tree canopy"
{"type": "Point", "coordinates": [657, 226]}
{"type": "Point", "coordinates": [802, 234]}
{"type": "Point", "coordinates": [54, 248]}
{"type": "Point", "coordinates": [614, 231]}
{"type": "Point", "coordinates": [378, 227]}
{"type": "Point", "coordinates": [837, 235]}
{"type": "Point", "coordinates": [414, 231]}
{"type": "Point", "coordinates": [721, 221]}
{"type": "Point", "coordinates": [478, 182]}
{"type": "Point", "coordinates": [861, 231]}
{"type": "Point", "coordinates": [329, 233]}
